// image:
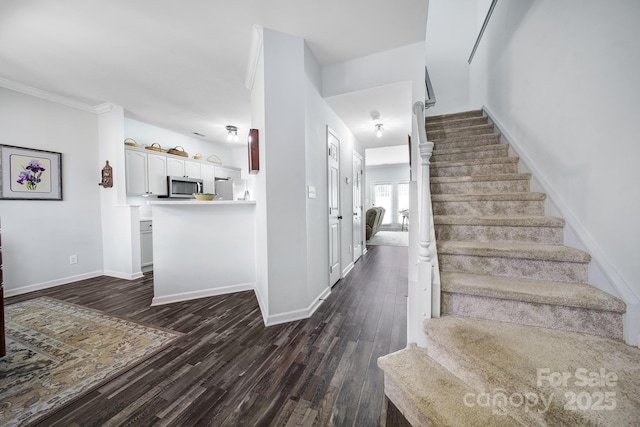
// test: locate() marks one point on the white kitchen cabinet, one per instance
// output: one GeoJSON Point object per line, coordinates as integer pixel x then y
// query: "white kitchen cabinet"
{"type": "Point", "coordinates": [145, 173]}
{"type": "Point", "coordinates": [157, 174]}
{"type": "Point", "coordinates": [207, 174]}
{"type": "Point", "coordinates": [227, 172]}
{"type": "Point", "coordinates": [192, 169]}
{"type": "Point", "coordinates": [146, 244]}
{"type": "Point", "coordinates": [175, 167]}
{"type": "Point", "coordinates": [136, 172]}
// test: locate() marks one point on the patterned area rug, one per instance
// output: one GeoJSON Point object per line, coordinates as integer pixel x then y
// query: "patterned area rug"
{"type": "Point", "coordinates": [390, 238]}
{"type": "Point", "coordinates": [57, 351]}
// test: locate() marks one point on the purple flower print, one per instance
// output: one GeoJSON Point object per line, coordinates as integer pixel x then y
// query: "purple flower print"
{"type": "Point", "coordinates": [32, 175]}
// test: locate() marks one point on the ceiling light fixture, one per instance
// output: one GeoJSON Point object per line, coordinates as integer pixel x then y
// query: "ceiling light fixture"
{"type": "Point", "coordinates": [232, 133]}
{"type": "Point", "coordinates": [379, 129]}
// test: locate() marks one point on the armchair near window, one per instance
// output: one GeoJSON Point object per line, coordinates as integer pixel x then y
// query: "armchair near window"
{"type": "Point", "coordinates": [373, 219]}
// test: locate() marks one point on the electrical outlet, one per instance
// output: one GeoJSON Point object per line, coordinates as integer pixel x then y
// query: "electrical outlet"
{"type": "Point", "coordinates": [73, 259]}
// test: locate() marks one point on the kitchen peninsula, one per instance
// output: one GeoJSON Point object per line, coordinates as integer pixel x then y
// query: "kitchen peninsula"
{"type": "Point", "coordinates": [202, 248]}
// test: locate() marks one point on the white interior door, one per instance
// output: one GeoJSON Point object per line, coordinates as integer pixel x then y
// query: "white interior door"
{"type": "Point", "coordinates": [357, 206]}
{"type": "Point", "coordinates": [333, 172]}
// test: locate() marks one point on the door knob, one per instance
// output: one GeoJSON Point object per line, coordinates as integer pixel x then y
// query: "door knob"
{"type": "Point", "coordinates": [339, 216]}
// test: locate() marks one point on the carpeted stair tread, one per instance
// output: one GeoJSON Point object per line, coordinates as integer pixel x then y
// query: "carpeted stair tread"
{"type": "Point", "coordinates": [454, 116]}
{"type": "Point", "coordinates": [537, 291]}
{"type": "Point", "coordinates": [458, 150]}
{"type": "Point", "coordinates": [498, 357]}
{"type": "Point", "coordinates": [490, 165]}
{"type": "Point", "coordinates": [470, 162]}
{"type": "Point", "coordinates": [488, 197]}
{"type": "Point", "coordinates": [558, 253]}
{"type": "Point", "coordinates": [500, 220]}
{"type": "Point", "coordinates": [467, 141]}
{"type": "Point", "coordinates": [456, 123]}
{"type": "Point", "coordinates": [455, 133]}
{"type": "Point", "coordinates": [429, 395]}
{"type": "Point", "coordinates": [489, 203]}
{"type": "Point", "coordinates": [480, 178]}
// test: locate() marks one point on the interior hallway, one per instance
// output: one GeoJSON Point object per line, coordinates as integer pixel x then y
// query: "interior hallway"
{"type": "Point", "coordinates": [229, 369]}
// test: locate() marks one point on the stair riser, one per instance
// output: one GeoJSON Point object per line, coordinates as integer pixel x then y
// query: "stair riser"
{"type": "Point", "coordinates": [456, 133]}
{"type": "Point", "coordinates": [558, 271]}
{"type": "Point", "coordinates": [594, 322]}
{"type": "Point", "coordinates": [470, 170]}
{"type": "Point", "coordinates": [455, 124]}
{"type": "Point", "coordinates": [470, 155]}
{"type": "Point", "coordinates": [478, 141]}
{"type": "Point", "coordinates": [485, 233]}
{"type": "Point", "coordinates": [484, 187]}
{"type": "Point", "coordinates": [492, 207]}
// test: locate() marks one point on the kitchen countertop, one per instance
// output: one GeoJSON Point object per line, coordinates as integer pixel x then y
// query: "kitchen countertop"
{"type": "Point", "coordinates": [204, 203]}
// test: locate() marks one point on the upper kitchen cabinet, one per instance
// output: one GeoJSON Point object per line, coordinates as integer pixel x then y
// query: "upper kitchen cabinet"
{"type": "Point", "coordinates": [146, 173]}
{"type": "Point", "coordinates": [179, 167]}
{"type": "Point", "coordinates": [175, 167]}
{"type": "Point", "coordinates": [192, 169]}
{"type": "Point", "coordinates": [136, 172]}
{"type": "Point", "coordinates": [157, 174]}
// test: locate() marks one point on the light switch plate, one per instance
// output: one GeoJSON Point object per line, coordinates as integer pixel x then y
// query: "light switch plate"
{"type": "Point", "coordinates": [311, 192]}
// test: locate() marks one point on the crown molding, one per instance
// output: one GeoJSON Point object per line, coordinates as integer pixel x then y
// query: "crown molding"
{"type": "Point", "coordinates": [49, 96]}
{"type": "Point", "coordinates": [254, 56]}
{"type": "Point", "coordinates": [103, 108]}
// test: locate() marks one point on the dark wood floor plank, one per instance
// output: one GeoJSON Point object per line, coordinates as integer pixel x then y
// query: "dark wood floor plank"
{"type": "Point", "coordinates": [228, 369]}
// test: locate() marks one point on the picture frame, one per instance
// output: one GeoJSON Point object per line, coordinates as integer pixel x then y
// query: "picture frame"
{"type": "Point", "coordinates": [254, 153]}
{"type": "Point", "coordinates": [30, 174]}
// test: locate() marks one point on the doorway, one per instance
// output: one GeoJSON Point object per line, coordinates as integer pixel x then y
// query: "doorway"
{"type": "Point", "coordinates": [333, 174]}
{"type": "Point", "coordinates": [358, 204]}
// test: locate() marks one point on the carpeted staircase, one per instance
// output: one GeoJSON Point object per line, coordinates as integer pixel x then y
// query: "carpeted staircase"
{"type": "Point", "coordinates": [523, 338]}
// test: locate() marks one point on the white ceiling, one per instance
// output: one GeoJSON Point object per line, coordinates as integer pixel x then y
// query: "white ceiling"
{"type": "Point", "coordinates": [392, 104]}
{"type": "Point", "coordinates": [182, 65]}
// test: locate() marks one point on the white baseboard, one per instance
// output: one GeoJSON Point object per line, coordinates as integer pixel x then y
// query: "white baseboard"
{"type": "Point", "coordinates": [125, 276]}
{"type": "Point", "coordinates": [264, 308]}
{"type": "Point", "coordinates": [301, 314]}
{"type": "Point", "coordinates": [347, 270]}
{"type": "Point", "coordinates": [601, 272]}
{"type": "Point", "coordinates": [186, 296]}
{"type": "Point", "coordinates": [50, 284]}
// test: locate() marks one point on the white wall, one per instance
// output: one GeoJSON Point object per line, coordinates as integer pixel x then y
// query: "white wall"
{"type": "Point", "coordinates": [120, 222]}
{"type": "Point", "coordinates": [562, 80]}
{"type": "Point", "coordinates": [258, 186]}
{"type": "Point", "coordinates": [284, 145]}
{"type": "Point", "coordinates": [451, 33]}
{"type": "Point", "coordinates": [291, 229]}
{"type": "Point", "coordinates": [402, 64]}
{"type": "Point", "coordinates": [39, 236]}
{"type": "Point", "coordinates": [318, 116]}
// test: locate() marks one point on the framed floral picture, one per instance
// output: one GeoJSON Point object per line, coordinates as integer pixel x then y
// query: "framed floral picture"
{"type": "Point", "coordinates": [30, 174]}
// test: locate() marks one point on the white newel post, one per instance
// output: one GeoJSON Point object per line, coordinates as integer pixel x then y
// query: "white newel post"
{"type": "Point", "coordinates": [420, 293]}
{"type": "Point", "coordinates": [424, 255]}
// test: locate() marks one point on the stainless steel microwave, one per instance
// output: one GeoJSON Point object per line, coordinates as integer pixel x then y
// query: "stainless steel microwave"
{"type": "Point", "coordinates": [183, 187]}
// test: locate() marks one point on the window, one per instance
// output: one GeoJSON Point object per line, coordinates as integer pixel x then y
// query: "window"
{"type": "Point", "coordinates": [382, 197]}
{"type": "Point", "coordinates": [393, 197]}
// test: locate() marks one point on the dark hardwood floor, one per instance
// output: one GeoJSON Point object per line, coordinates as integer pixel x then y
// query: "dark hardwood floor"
{"type": "Point", "coordinates": [230, 370]}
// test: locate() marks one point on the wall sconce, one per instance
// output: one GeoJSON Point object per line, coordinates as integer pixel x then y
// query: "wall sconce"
{"type": "Point", "coordinates": [232, 133]}
{"type": "Point", "coordinates": [379, 129]}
